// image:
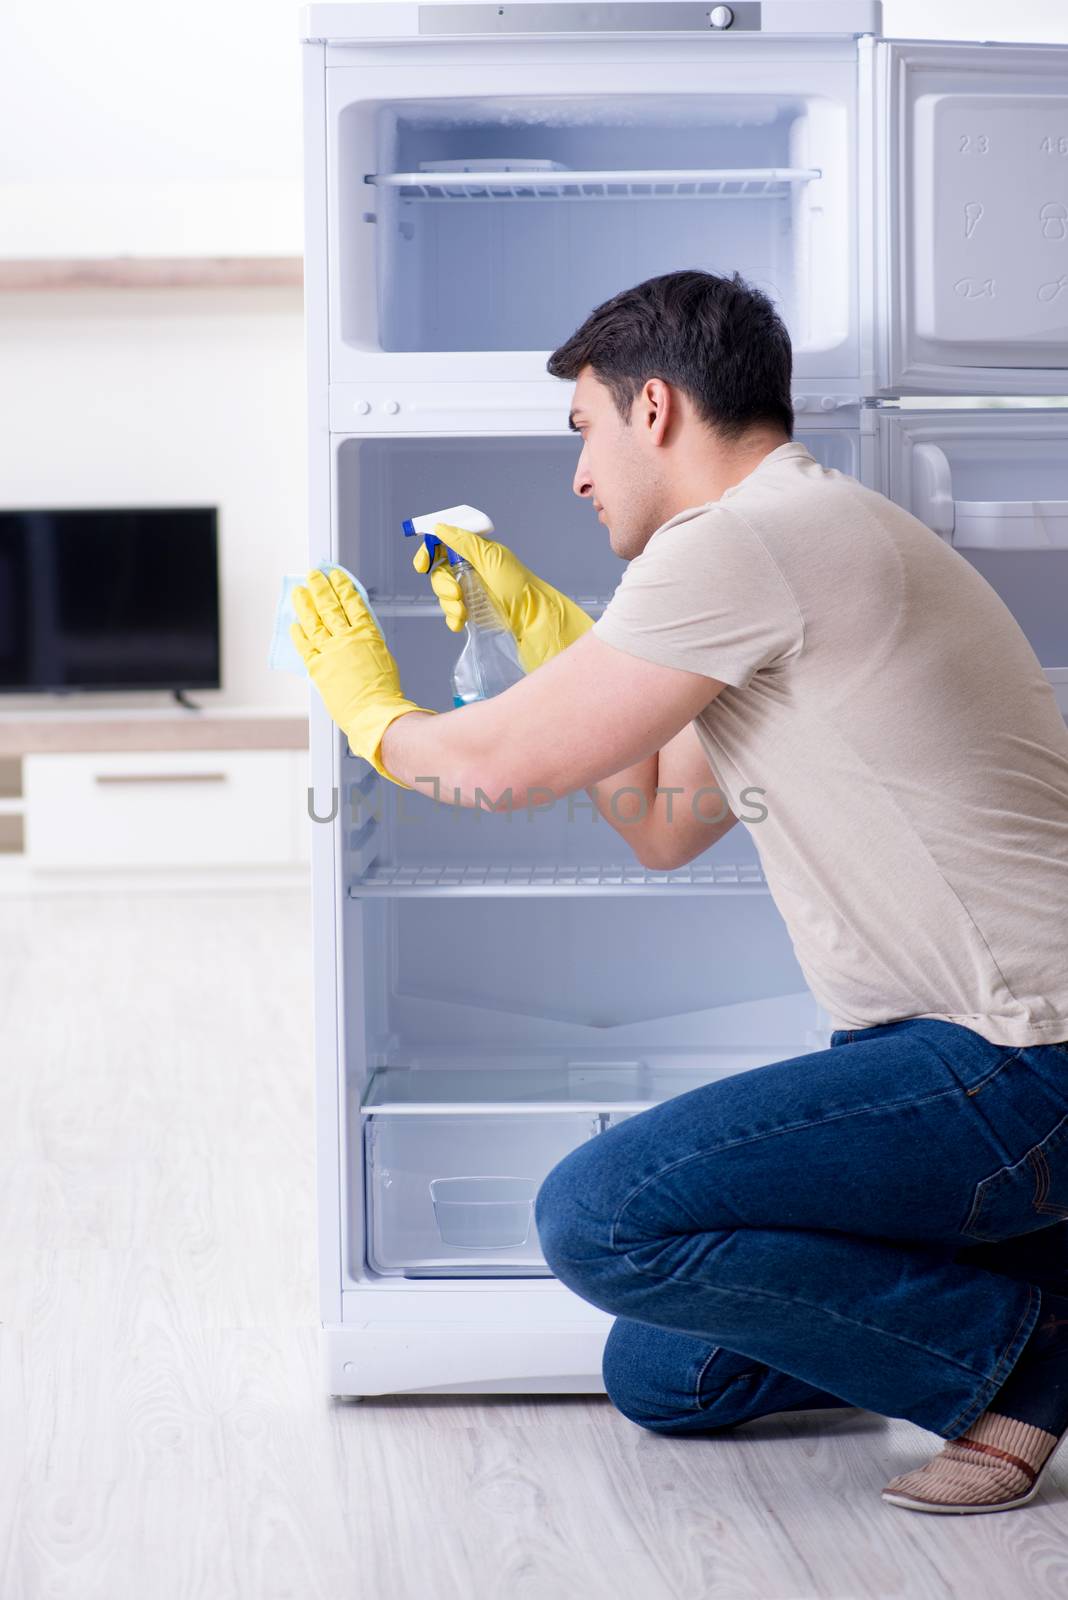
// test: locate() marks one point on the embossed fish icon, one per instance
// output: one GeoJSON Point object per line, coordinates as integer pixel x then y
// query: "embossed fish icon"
{"type": "Point", "coordinates": [1050, 291]}
{"type": "Point", "coordinates": [975, 288]}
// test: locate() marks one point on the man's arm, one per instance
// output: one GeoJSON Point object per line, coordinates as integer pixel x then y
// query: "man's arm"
{"type": "Point", "coordinates": [678, 811]}
{"type": "Point", "coordinates": [591, 713]}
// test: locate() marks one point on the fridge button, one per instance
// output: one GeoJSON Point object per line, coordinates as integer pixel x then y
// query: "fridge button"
{"type": "Point", "coordinates": [827, 402]}
{"type": "Point", "coordinates": [720, 17]}
{"type": "Point", "coordinates": [802, 403]}
{"type": "Point", "coordinates": [391, 406]}
{"type": "Point", "coordinates": [362, 407]}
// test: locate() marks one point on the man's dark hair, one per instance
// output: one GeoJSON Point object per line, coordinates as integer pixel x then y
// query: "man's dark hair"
{"type": "Point", "coordinates": [718, 339]}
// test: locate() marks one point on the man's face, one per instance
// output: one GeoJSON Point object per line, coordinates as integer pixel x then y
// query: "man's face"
{"type": "Point", "coordinates": [619, 469]}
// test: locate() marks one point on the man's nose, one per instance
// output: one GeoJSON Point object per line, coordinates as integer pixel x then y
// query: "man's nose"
{"type": "Point", "coordinates": [582, 483]}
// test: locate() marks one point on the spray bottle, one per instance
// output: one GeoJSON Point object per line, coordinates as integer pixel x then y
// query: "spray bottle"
{"type": "Point", "coordinates": [488, 662]}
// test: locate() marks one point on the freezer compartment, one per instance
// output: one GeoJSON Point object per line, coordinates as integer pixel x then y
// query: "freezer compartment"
{"type": "Point", "coordinates": [502, 226]}
{"type": "Point", "coordinates": [453, 1196]}
{"type": "Point", "coordinates": [994, 484]}
{"type": "Point", "coordinates": [485, 223]}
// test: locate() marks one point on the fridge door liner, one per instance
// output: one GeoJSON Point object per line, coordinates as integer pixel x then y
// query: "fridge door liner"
{"type": "Point", "coordinates": [747, 169]}
{"type": "Point", "coordinates": [993, 482]}
{"type": "Point", "coordinates": [454, 1196]}
{"type": "Point", "coordinates": [972, 236]}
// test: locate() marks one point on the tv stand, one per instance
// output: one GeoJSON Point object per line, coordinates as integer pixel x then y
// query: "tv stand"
{"type": "Point", "coordinates": [153, 797]}
{"type": "Point", "coordinates": [179, 695]}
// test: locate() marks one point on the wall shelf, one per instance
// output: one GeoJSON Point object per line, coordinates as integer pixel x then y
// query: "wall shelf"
{"type": "Point", "coordinates": [152, 272]}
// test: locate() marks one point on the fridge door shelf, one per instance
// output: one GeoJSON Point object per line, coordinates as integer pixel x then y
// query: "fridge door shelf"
{"type": "Point", "coordinates": [1011, 524]}
{"type": "Point", "coordinates": [673, 183]}
{"type": "Point", "coordinates": [993, 482]}
{"type": "Point", "coordinates": [983, 524]}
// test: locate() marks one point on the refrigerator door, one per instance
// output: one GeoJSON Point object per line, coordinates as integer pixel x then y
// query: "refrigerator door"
{"type": "Point", "coordinates": [994, 484]}
{"type": "Point", "coordinates": [967, 244]}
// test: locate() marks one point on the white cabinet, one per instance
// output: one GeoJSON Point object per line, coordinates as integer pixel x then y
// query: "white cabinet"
{"type": "Point", "coordinates": [165, 808]}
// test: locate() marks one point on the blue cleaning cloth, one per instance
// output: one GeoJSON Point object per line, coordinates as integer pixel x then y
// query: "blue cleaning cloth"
{"type": "Point", "coordinates": [284, 655]}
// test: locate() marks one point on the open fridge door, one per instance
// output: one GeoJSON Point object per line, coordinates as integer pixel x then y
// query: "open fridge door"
{"type": "Point", "coordinates": [968, 230]}
{"type": "Point", "coordinates": [993, 482]}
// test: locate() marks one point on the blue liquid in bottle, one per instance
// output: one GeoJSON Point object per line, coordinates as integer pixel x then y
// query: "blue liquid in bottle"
{"type": "Point", "coordinates": [489, 661]}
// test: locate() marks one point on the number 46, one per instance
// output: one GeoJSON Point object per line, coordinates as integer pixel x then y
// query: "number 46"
{"type": "Point", "coordinates": [1055, 146]}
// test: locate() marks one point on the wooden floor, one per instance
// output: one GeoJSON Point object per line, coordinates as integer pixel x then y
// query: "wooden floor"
{"type": "Point", "coordinates": [162, 1433]}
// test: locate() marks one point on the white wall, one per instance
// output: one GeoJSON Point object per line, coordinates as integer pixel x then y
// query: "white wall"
{"type": "Point", "coordinates": [169, 397]}
{"type": "Point", "coordinates": [171, 127]}
{"type": "Point", "coordinates": [151, 127]}
{"type": "Point", "coordinates": [1022, 21]}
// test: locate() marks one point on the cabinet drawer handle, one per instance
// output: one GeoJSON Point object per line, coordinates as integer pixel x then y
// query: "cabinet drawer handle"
{"type": "Point", "coordinates": [159, 777]}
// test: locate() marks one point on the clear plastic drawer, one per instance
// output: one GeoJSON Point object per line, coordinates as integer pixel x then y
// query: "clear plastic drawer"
{"type": "Point", "coordinates": [453, 1196]}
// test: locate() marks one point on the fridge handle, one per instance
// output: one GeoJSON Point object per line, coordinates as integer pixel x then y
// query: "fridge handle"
{"type": "Point", "coordinates": [932, 489]}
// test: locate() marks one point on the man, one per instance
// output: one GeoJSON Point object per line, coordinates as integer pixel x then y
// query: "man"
{"type": "Point", "coordinates": [873, 1225]}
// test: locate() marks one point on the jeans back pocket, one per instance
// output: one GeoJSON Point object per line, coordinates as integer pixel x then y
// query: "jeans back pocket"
{"type": "Point", "coordinates": [1030, 1194]}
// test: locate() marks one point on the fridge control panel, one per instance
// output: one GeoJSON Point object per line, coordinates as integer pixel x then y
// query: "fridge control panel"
{"type": "Point", "coordinates": [385, 21]}
{"type": "Point", "coordinates": [597, 16]}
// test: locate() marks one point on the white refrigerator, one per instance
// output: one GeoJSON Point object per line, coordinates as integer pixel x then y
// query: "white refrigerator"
{"type": "Point", "coordinates": [493, 989]}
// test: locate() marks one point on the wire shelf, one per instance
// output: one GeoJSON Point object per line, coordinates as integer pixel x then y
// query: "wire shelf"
{"type": "Point", "coordinates": [558, 878]}
{"type": "Point", "coordinates": [673, 183]}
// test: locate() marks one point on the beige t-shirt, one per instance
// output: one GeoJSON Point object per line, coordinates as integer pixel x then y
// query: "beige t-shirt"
{"type": "Point", "coordinates": [913, 759]}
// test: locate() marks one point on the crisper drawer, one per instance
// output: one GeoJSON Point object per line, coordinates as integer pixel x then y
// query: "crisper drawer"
{"type": "Point", "coordinates": [453, 1196]}
{"type": "Point", "coordinates": [177, 808]}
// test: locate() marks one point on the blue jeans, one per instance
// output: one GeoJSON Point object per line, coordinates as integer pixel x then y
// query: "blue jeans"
{"type": "Point", "coordinates": [866, 1226]}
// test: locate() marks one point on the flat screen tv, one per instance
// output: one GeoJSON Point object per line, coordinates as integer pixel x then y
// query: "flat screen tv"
{"type": "Point", "coordinates": [109, 599]}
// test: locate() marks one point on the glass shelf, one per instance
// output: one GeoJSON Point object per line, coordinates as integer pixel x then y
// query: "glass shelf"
{"type": "Point", "coordinates": [436, 878]}
{"type": "Point", "coordinates": [575, 1086]}
{"type": "Point", "coordinates": [670, 183]}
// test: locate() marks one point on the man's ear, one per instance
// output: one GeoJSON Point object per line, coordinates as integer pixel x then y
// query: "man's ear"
{"type": "Point", "coordinates": [657, 408]}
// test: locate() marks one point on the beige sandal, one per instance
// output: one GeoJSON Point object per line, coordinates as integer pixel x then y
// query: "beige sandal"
{"type": "Point", "coordinates": [1033, 1475]}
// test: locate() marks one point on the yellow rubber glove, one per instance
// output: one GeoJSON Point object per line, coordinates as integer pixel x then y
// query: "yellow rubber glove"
{"type": "Point", "coordinates": [349, 663]}
{"type": "Point", "coordinates": [543, 620]}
